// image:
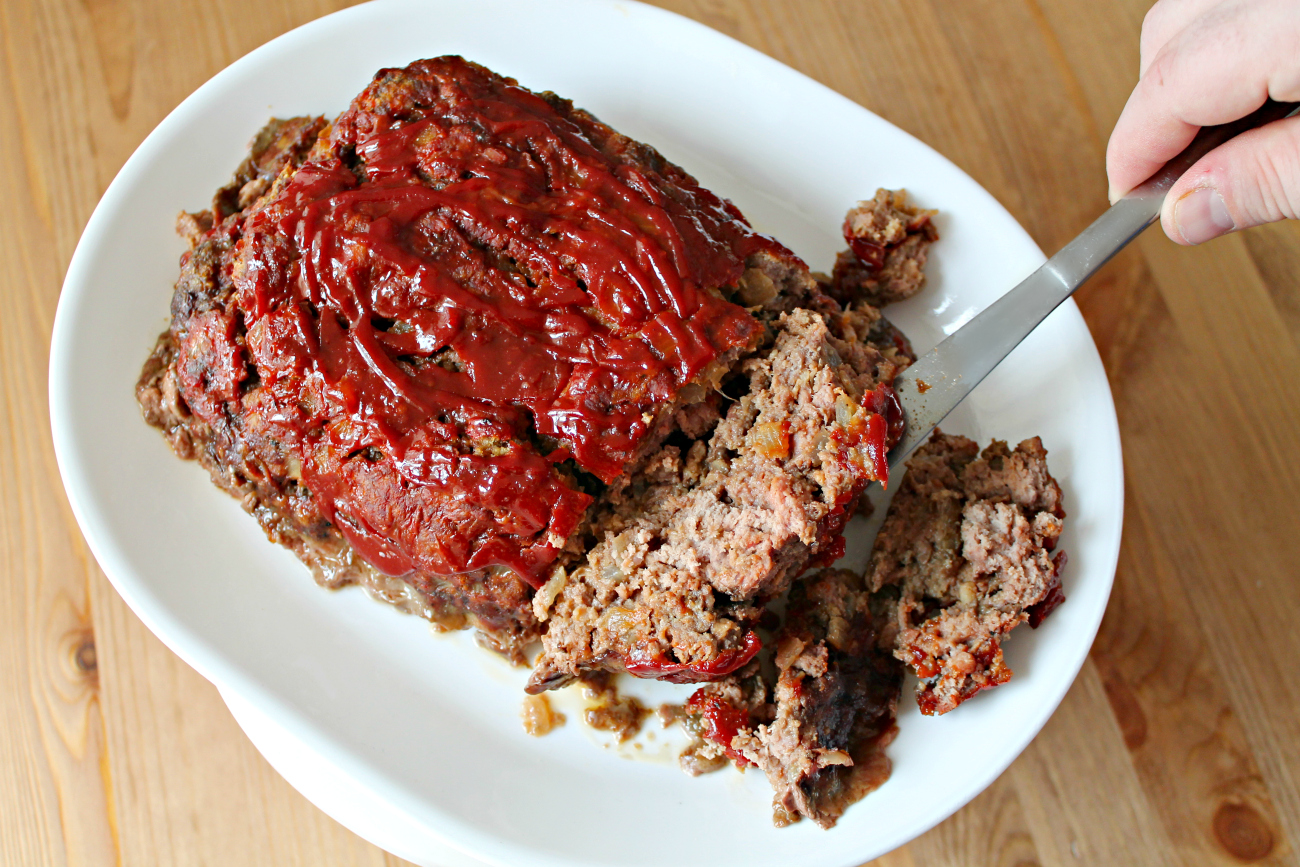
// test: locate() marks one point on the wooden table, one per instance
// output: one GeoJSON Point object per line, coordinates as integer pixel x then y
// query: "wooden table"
{"type": "Point", "coordinates": [1178, 744]}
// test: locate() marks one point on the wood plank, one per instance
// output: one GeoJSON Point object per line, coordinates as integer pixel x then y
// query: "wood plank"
{"type": "Point", "coordinates": [189, 787]}
{"type": "Point", "coordinates": [1045, 144]}
{"type": "Point", "coordinates": [991, 830]}
{"type": "Point", "coordinates": [1081, 747]}
{"type": "Point", "coordinates": [1189, 747]}
{"type": "Point", "coordinates": [145, 785]}
{"type": "Point", "coordinates": [54, 796]}
{"type": "Point", "coordinates": [1187, 744]}
{"type": "Point", "coordinates": [1275, 250]}
{"type": "Point", "coordinates": [1229, 408]}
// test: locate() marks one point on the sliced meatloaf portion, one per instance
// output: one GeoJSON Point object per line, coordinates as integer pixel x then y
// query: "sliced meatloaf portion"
{"type": "Point", "coordinates": [966, 548]}
{"type": "Point", "coordinates": [681, 570]}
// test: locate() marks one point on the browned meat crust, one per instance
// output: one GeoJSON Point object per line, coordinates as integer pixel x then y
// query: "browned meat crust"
{"type": "Point", "coordinates": [253, 467]}
{"type": "Point", "coordinates": [888, 243]}
{"type": "Point", "coordinates": [967, 547]}
{"type": "Point", "coordinates": [819, 734]}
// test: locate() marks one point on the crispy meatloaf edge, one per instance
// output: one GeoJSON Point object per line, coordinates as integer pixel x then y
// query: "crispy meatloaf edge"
{"type": "Point", "coordinates": [836, 700]}
{"type": "Point", "coordinates": [258, 472]}
{"type": "Point", "coordinates": [818, 723]}
{"type": "Point", "coordinates": [889, 240]}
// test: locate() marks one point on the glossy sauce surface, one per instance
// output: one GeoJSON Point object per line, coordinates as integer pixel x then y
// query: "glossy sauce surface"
{"type": "Point", "coordinates": [462, 289]}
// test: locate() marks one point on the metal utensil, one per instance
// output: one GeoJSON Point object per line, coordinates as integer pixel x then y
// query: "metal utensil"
{"type": "Point", "coordinates": [939, 380]}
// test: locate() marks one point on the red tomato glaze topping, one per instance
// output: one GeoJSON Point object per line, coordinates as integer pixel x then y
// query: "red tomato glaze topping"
{"type": "Point", "coordinates": [465, 285]}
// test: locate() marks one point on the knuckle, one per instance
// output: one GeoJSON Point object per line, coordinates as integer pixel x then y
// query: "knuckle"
{"type": "Point", "coordinates": [1161, 68]}
{"type": "Point", "coordinates": [1273, 190]}
{"type": "Point", "coordinates": [1162, 20]}
{"type": "Point", "coordinates": [1152, 29]}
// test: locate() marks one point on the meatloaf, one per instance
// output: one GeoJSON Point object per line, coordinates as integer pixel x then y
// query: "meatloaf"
{"type": "Point", "coordinates": [509, 369]}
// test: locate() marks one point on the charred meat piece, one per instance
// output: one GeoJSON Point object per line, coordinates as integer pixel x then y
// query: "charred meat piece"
{"type": "Point", "coordinates": [967, 547]}
{"type": "Point", "coordinates": [836, 699]}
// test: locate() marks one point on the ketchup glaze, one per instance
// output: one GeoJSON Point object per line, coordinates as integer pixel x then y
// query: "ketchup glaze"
{"type": "Point", "coordinates": [466, 297]}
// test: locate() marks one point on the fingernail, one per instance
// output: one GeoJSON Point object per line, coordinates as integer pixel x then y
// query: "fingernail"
{"type": "Point", "coordinates": [1201, 215]}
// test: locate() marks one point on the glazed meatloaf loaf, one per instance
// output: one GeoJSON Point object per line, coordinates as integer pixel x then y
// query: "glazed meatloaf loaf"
{"type": "Point", "coordinates": [509, 369]}
{"type": "Point", "coordinates": [466, 341]}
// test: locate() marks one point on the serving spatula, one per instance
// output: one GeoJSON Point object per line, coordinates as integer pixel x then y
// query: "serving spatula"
{"type": "Point", "coordinates": [939, 380]}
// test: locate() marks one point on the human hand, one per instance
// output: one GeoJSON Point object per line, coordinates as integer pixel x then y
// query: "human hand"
{"type": "Point", "coordinates": [1207, 62]}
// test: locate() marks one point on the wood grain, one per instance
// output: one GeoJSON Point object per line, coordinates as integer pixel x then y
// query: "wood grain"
{"type": "Point", "coordinates": [1179, 743]}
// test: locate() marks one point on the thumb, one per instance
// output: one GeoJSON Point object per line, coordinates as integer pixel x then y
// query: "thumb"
{"type": "Point", "coordinates": [1250, 180]}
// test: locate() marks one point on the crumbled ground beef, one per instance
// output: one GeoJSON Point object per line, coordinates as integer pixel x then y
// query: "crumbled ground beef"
{"type": "Point", "coordinates": [818, 722]}
{"type": "Point", "coordinates": [964, 556]}
{"type": "Point", "coordinates": [679, 577]}
{"type": "Point", "coordinates": [888, 242]}
{"type": "Point", "coordinates": [620, 714]}
{"type": "Point", "coordinates": [719, 712]}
